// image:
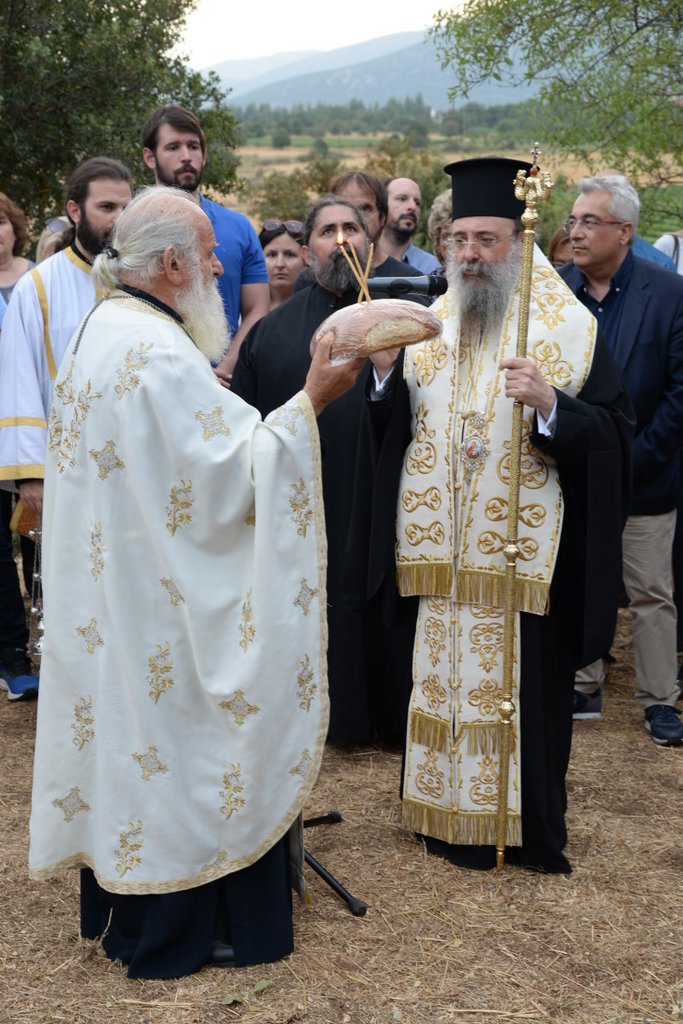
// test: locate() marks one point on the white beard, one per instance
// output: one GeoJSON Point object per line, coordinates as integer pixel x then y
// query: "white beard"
{"type": "Point", "coordinates": [201, 308]}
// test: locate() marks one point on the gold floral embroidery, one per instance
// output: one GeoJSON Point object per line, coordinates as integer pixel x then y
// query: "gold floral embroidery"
{"type": "Point", "coordinates": [437, 604]}
{"type": "Point", "coordinates": [550, 296]}
{"type": "Point", "coordinates": [149, 763]}
{"type": "Point", "coordinates": [306, 688]}
{"type": "Point", "coordinates": [435, 636]}
{"type": "Point", "coordinates": [433, 691]}
{"type": "Point", "coordinates": [553, 368]}
{"type": "Point", "coordinates": [247, 627]}
{"type": "Point", "coordinates": [54, 430]}
{"type": "Point", "coordinates": [212, 422]}
{"type": "Point", "coordinates": [431, 499]}
{"type": "Point", "coordinates": [106, 460]}
{"type": "Point", "coordinates": [532, 515]}
{"type": "Point", "coordinates": [421, 456]}
{"type": "Point", "coordinates": [491, 543]}
{"type": "Point", "coordinates": [177, 512]}
{"type": "Point", "coordinates": [429, 779]}
{"type": "Point", "coordinates": [304, 764]}
{"type": "Point", "coordinates": [231, 801]}
{"type": "Point", "coordinates": [129, 375]}
{"type": "Point", "coordinates": [285, 418]}
{"type": "Point", "coordinates": [71, 804]}
{"type": "Point", "coordinates": [96, 551]}
{"type": "Point", "coordinates": [305, 596]}
{"type": "Point", "coordinates": [239, 707]}
{"type": "Point", "coordinates": [486, 697]}
{"type": "Point", "coordinates": [533, 469]}
{"type": "Point", "coordinates": [160, 668]}
{"type": "Point", "coordinates": [484, 792]}
{"type": "Point", "coordinates": [90, 635]}
{"type": "Point", "coordinates": [429, 359]}
{"type": "Point", "coordinates": [83, 723]}
{"type": "Point", "coordinates": [169, 585]}
{"type": "Point", "coordinates": [300, 504]}
{"type": "Point", "coordinates": [250, 517]}
{"type": "Point", "coordinates": [64, 439]}
{"type": "Point", "coordinates": [416, 534]}
{"type": "Point", "coordinates": [129, 844]}
{"type": "Point", "coordinates": [487, 642]}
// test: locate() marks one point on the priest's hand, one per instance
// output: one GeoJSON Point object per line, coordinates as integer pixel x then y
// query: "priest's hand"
{"type": "Point", "coordinates": [325, 380]}
{"type": "Point", "coordinates": [523, 382]}
{"type": "Point", "coordinates": [31, 494]}
{"type": "Point", "coordinates": [384, 361]}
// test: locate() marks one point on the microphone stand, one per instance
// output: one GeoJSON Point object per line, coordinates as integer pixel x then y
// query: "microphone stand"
{"type": "Point", "coordinates": [356, 906]}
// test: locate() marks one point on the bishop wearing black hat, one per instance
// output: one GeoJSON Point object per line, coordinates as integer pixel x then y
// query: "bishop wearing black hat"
{"type": "Point", "coordinates": [431, 510]}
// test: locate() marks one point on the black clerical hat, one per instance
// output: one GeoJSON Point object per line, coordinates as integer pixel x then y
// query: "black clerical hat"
{"type": "Point", "coordinates": [484, 187]}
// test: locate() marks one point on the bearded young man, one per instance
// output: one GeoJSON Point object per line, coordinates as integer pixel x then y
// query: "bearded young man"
{"type": "Point", "coordinates": [185, 705]}
{"type": "Point", "coordinates": [368, 665]}
{"type": "Point", "coordinates": [431, 509]}
{"type": "Point", "coordinates": [174, 148]}
{"type": "Point", "coordinates": [47, 305]}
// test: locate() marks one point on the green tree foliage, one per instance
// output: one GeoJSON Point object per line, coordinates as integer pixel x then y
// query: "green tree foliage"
{"type": "Point", "coordinates": [611, 75]}
{"type": "Point", "coordinates": [79, 79]}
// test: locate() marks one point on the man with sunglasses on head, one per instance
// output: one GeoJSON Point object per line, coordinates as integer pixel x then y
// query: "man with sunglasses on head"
{"type": "Point", "coordinates": [639, 308]}
{"type": "Point", "coordinates": [174, 148]}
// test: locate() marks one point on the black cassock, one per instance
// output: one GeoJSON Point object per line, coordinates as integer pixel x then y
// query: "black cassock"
{"type": "Point", "coordinates": [591, 445]}
{"type": "Point", "coordinates": [369, 665]}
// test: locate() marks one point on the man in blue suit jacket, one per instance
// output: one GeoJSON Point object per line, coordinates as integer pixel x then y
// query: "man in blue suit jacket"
{"type": "Point", "coordinates": [639, 307]}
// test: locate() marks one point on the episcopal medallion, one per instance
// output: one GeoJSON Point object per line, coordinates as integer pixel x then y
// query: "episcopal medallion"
{"type": "Point", "coordinates": [474, 447]}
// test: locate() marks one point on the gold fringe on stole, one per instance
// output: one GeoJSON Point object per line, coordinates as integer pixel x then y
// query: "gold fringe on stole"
{"type": "Point", "coordinates": [427, 578]}
{"type": "Point", "coordinates": [488, 590]}
{"type": "Point", "coordinates": [429, 731]}
{"type": "Point", "coordinates": [463, 829]}
{"type": "Point", "coordinates": [483, 737]}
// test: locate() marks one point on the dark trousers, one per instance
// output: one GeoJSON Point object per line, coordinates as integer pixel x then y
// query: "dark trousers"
{"type": "Point", "coordinates": [170, 935]}
{"type": "Point", "coordinates": [13, 629]}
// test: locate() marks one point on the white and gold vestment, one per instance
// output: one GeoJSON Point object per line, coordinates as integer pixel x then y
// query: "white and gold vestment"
{"type": "Point", "coordinates": [451, 532]}
{"type": "Point", "coordinates": [183, 705]}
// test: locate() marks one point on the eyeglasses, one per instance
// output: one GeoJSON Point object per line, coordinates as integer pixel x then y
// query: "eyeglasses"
{"type": "Point", "coordinates": [292, 227]}
{"type": "Point", "coordinates": [460, 243]}
{"type": "Point", "coordinates": [588, 223]}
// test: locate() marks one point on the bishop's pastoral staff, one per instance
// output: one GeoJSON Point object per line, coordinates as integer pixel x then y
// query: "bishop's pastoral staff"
{"type": "Point", "coordinates": [184, 703]}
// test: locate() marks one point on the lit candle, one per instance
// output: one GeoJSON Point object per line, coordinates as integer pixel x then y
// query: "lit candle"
{"type": "Point", "coordinates": [361, 278]}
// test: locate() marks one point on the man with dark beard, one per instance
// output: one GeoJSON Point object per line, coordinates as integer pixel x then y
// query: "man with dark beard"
{"type": "Point", "coordinates": [368, 665]}
{"type": "Point", "coordinates": [174, 148]}
{"type": "Point", "coordinates": [184, 711]}
{"type": "Point", "coordinates": [431, 511]}
{"type": "Point", "coordinates": [404, 202]}
{"type": "Point", "coordinates": [46, 307]}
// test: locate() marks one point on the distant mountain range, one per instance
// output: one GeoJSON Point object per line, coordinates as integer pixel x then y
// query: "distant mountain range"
{"type": "Point", "coordinates": [395, 66]}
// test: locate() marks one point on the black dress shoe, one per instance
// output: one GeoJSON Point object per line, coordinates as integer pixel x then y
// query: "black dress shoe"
{"type": "Point", "coordinates": [222, 955]}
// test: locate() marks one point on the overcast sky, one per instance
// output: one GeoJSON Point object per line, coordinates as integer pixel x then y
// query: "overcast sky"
{"type": "Point", "coordinates": [219, 31]}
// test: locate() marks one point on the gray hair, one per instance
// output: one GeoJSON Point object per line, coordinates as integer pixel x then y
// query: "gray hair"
{"type": "Point", "coordinates": [157, 219]}
{"type": "Point", "coordinates": [624, 203]}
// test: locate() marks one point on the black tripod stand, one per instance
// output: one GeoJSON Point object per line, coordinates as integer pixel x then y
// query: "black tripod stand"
{"type": "Point", "coordinates": [357, 907]}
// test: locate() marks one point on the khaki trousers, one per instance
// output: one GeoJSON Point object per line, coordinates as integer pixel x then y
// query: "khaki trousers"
{"type": "Point", "coordinates": [647, 544]}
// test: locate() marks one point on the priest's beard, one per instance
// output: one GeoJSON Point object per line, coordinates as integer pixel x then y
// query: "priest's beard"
{"type": "Point", "coordinates": [201, 308]}
{"type": "Point", "coordinates": [482, 300]}
{"type": "Point", "coordinates": [336, 275]}
{"type": "Point", "coordinates": [88, 238]}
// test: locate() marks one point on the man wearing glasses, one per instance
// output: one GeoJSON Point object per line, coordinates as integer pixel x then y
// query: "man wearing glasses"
{"type": "Point", "coordinates": [436, 484]}
{"type": "Point", "coordinates": [639, 308]}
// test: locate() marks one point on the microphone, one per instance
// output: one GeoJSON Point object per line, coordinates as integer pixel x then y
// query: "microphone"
{"type": "Point", "coordinates": [426, 284]}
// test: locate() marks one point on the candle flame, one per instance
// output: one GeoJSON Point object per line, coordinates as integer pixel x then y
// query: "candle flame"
{"type": "Point", "coordinates": [340, 238]}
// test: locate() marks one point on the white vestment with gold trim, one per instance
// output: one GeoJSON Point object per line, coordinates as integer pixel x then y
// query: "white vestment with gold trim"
{"type": "Point", "coordinates": [183, 707]}
{"type": "Point", "coordinates": [46, 307]}
{"type": "Point", "coordinates": [451, 534]}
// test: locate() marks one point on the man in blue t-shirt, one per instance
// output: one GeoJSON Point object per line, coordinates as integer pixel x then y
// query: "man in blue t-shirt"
{"type": "Point", "coordinates": [174, 148]}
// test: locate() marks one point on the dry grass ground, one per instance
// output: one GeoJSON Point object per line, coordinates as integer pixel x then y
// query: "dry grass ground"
{"type": "Point", "coordinates": [601, 946]}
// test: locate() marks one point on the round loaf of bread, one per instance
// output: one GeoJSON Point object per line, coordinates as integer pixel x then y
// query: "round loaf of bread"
{"type": "Point", "coordinates": [369, 327]}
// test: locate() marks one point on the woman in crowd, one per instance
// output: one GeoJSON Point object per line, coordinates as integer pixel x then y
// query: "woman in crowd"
{"type": "Point", "coordinates": [13, 235]}
{"type": "Point", "coordinates": [560, 249]}
{"type": "Point", "coordinates": [439, 226]}
{"type": "Point", "coordinates": [281, 244]}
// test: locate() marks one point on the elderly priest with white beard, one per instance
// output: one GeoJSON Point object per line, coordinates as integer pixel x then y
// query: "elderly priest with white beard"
{"type": "Point", "coordinates": [431, 511]}
{"type": "Point", "coordinates": [184, 702]}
